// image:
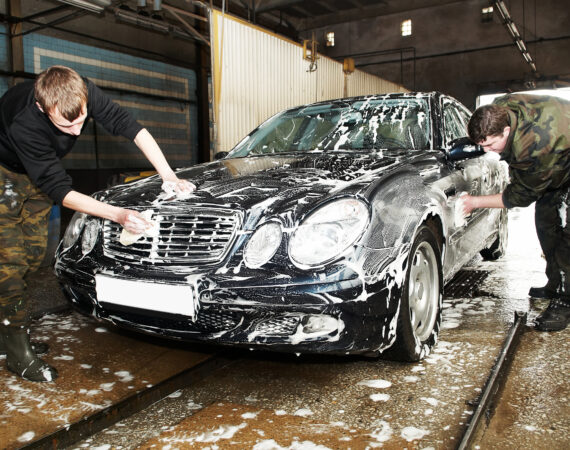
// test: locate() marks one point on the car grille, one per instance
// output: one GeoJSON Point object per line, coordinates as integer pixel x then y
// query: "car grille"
{"type": "Point", "coordinates": [189, 236]}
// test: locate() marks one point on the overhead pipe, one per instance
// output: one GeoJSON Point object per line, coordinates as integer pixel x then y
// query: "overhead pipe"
{"type": "Point", "coordinates": [142, 21]}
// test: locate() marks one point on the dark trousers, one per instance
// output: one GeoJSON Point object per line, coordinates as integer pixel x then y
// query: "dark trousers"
{"type": "Point", "coordinates": [552, 219]}
{"type": "Point", "coordinates": [24, 216]}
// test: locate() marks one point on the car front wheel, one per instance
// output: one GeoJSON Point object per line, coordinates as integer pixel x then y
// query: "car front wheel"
{"type": "Point", "coordinates": [419, 317]}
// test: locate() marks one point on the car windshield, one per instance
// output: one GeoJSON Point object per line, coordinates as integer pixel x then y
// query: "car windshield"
{"type": "Point", "coordinates": [364, 125]}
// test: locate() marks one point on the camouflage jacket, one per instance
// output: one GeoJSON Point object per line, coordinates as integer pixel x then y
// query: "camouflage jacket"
{"type": "Point", "coordinates": [538, 147]}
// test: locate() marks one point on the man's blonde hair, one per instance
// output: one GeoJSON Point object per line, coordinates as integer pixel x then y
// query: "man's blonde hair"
{"type": "Point", "coordinates": [61, 87]}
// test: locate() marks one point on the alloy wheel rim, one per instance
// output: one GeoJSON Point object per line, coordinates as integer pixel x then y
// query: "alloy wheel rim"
{"type": "Point", "coordinates": [423, 291]}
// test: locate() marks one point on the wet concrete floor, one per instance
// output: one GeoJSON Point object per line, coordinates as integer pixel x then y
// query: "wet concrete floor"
{"type": "Point", "coordinates": [97, 368]}
{"type": "Point", "coordinates": [273, 401]}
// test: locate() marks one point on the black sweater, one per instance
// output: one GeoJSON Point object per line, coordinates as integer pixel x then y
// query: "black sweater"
{"type": "Point", "coordinates": [30, 143]}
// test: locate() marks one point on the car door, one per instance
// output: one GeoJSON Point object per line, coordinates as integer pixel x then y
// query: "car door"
{"type": "Point", "coordinates": [470, 176]}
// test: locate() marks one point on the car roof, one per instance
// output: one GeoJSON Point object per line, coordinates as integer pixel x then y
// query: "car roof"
{"type": "Point", "coordinates": [392, 95]}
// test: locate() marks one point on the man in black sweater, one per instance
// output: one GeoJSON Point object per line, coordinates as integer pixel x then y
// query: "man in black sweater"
{"type": "Point", "coordinates": [39, 123]}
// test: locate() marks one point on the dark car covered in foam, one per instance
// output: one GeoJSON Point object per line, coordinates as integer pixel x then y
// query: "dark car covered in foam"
{"type": "Point", "coordinates": [331, 228]}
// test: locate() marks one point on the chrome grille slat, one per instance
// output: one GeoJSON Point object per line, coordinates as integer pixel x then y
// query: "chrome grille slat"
{"type": "Point", "coordinates": [189, 236]}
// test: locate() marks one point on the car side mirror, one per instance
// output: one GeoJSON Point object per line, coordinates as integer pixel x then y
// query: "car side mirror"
{"type": "Point", "coordinates": [463, 148]}
{"type": "Point", "coordinates": [221, 155]}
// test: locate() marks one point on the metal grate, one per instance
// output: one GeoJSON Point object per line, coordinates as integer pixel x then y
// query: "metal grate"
{"type": "Point", "coordinates": [212, 321]}
{"type": "Point", "coordinates": [281, 326]}
{"type": "Point", "coordinates": [208, 320]}
{"type": "Point", "coordinates": [186, 236]}
{"type": "Point", "coordinates": [465, 284]}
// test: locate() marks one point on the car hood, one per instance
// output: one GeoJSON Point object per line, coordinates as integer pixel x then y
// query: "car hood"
{"type": "Point", "coordinates": [276, 183]}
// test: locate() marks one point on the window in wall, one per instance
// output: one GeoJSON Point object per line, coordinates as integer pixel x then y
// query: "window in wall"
{"type": "Point", "coordinates": [487, 14]}
{"type": "Point", "coordinates": [406, 27]}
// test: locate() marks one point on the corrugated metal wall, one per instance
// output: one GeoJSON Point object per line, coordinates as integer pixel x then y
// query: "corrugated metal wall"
{"type": "Point", "coordinates": [362, 83]}
{"type": "Point", "coordinates": [257, 73]}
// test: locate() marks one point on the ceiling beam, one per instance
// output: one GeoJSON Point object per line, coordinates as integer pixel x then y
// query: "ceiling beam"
{"type": "Point", "coordinates": [271, 5]}
{"type": "Point", "coordinates": [324, 5]}
{"type": "Point", "coordinates": [184, 12]}
{"type": "Point", "coordinates": [356, 3]}
{"type": "Point", "coordinates": [186, 25]}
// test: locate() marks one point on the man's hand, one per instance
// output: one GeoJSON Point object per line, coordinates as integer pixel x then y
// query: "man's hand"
{"type": "Point", "coordinates": [471, 202]}
{"type": "Point", "coordinates": [132, 221]}
{"type": "Point", "coordinates": [178, 186]}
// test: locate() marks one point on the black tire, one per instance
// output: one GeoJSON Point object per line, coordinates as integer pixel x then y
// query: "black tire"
{"type": "Point", "coordinates": [419, 316]}
{"type": "Point", "coordinates": [499, 246]}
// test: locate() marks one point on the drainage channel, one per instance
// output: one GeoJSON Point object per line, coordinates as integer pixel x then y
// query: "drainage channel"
{"type": "Point", "coordinates": [92, 424]}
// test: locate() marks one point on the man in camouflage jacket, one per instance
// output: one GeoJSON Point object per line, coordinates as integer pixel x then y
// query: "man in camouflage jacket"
{"type": "Point", "coordinates": [532, 134]}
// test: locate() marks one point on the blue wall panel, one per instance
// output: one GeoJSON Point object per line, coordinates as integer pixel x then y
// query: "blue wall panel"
{"type": "Point", "coordinates": [4, 57]}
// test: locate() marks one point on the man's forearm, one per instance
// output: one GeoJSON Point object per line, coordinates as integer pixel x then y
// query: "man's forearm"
{"type": "Point", "coordinates": [133, 221]}
{"type": "Point", "coordinates": [146, 143]}
{"type": "Point", "coordinates": [471, 202]}
{"type": "Point", "coordinates": [85, 204]}
{"type": "Point", "coordinates": [488, 201]}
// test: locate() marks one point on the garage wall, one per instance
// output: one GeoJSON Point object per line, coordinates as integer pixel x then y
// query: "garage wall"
{"type": "Point", "coordinates": [455, 51]}
{"type": "Point", "coordinates": [257, 73]}
{"type": "Point", "coordinates": [162, 97]}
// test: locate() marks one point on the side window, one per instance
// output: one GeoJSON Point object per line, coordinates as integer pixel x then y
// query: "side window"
{"type": "Point", "coordinates": [453, 124]}
{"type": "Point", "coordinates": [464, 115]}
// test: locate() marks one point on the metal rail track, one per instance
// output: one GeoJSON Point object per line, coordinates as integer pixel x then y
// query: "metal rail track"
{"type": "Point", "coordinates": [486, 403]}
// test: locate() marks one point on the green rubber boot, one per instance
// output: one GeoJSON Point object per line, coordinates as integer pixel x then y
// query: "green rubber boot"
{"type": "Point", "coordinates": [39, 348]}
{"type": "Point", "coordinates": [21, 358]}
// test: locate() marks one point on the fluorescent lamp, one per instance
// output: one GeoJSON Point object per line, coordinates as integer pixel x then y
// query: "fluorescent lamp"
{"type": "Point", "coordinates": [97, 6]}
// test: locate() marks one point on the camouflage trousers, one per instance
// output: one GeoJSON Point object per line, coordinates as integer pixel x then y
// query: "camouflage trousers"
{"type": "Point", "coordinates": [552, 219]}
{"type": "Point", "coordinates": [24, 216]}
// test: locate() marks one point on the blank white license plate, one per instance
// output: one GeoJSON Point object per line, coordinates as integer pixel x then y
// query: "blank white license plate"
{"type": "Point", "coordinates": [168, 298]}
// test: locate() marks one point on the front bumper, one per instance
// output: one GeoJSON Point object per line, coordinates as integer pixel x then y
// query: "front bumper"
{"type": "Point", "coordinates": [333, 312]}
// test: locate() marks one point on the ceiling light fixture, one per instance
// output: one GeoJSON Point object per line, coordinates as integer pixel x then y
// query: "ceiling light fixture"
{"type": "Point", "coordinates": [514, 32]}
{"type": "Point", "coordinates": [96, 6]}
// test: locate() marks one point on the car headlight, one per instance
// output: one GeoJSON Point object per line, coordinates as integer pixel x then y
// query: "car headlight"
{"type": "Point", "coordinates": [328, 232]}
{"type": "Point", "coordinates": [73, 230]}
{"type": "Point", "coordinates": [90, 234]}
{"type": "Point", "coordinates": [262, 245]}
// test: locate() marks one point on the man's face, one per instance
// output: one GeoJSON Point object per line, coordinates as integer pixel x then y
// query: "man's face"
{"type": "Point", "coordinates": [497, 142]}
{"type": "Point", "coordinates": [64, 125]}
